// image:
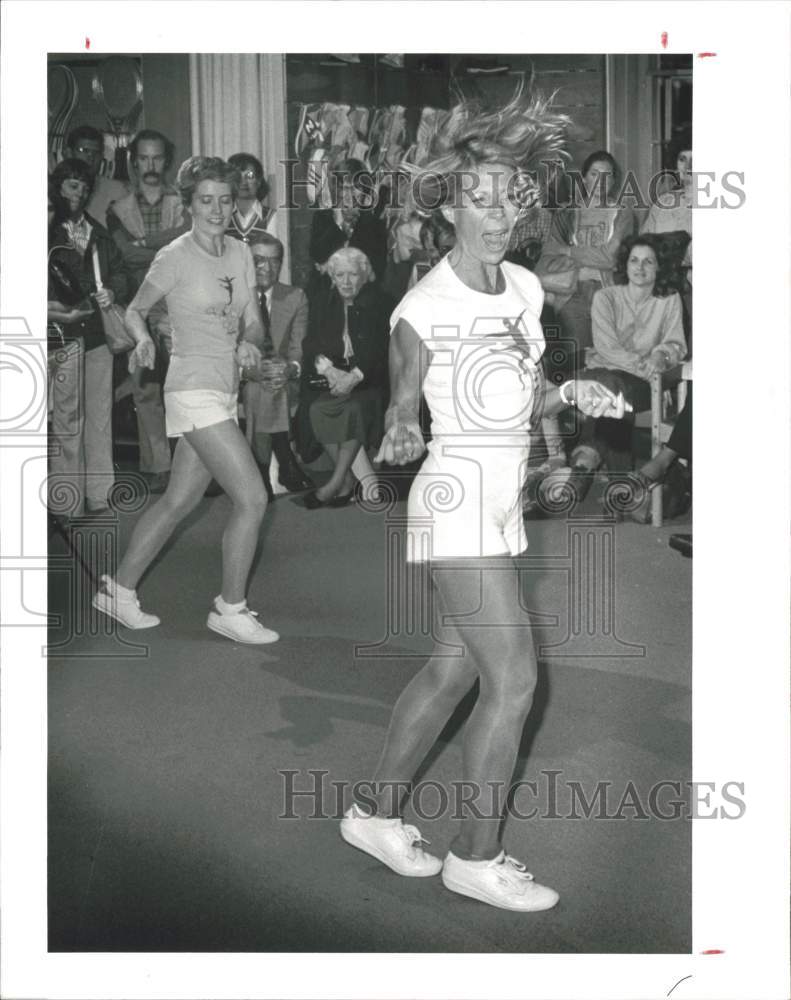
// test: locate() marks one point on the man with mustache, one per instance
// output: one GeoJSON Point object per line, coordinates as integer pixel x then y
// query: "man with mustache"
{"type": "Point", "coordinates": [142, 222]}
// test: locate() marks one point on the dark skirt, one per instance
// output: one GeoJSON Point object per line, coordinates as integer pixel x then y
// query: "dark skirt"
{"type": "Point", "coordinates": [358, 417]}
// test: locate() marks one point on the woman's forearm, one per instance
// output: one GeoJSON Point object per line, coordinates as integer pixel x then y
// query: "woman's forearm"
{"type": "Point", "coordinates": [135, 323]}
{"type": "Point", "coordinates": [553, 402]}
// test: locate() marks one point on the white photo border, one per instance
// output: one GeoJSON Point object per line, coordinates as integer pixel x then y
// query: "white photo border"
{"type": "Point", "coordinates": [741, 578]}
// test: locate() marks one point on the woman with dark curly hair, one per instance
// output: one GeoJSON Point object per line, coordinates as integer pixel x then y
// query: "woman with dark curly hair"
{"type": "Point", "coordinates": [208, 283]}
{"type": "Point", "coordinates": [637, 331]}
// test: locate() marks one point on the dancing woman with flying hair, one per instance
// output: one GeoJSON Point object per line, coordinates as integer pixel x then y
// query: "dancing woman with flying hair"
{"type": "Point", "coordinates": [468, 338]}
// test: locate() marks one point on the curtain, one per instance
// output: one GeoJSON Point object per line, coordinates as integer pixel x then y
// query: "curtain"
{"type": "Point", "coordinates": [238, 105]}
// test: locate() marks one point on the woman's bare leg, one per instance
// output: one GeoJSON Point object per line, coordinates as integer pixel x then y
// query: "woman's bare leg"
{"type": "Point", "coordinates": [220, 452]}
{"type": "Point", "coordinates": [504, 660]}
{"type": "Point", "coordinates": [224, 451]}
{"type": "Point", "coordinates": [189, 477]}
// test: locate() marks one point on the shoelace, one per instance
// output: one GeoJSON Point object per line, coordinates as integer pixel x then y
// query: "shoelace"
{"type": "Point", "coordinates": [513, 872]}
{"type": "Point", "coordinates": [413, 836]}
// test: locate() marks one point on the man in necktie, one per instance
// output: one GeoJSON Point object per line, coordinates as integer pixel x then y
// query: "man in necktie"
{"type": "Point", "coordinates": [270, 393]}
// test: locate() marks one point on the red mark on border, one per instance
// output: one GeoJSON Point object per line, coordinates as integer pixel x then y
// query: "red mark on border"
{"type": "Point", "coordinates": [713, 951]}
{"type": "Point", "coordinates": [664, 39]}
{"type": "Point", "coordinates": [706, 55]}
{"type": "Point", "coordinates": [87, 42]}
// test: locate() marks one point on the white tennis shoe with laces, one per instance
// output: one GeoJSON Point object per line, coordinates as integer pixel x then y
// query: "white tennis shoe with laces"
{"type": "Point", "coordinates": [391, 841]}
{"type": "Point", "coordinates": [503, 882]}
{"type": "Point", "coordinates": [241, 626]}
{"type": "Point", "coordinates": [124, 609]}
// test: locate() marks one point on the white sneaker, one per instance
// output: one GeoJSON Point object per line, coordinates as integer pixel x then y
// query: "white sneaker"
{"type": "Point", "coordinates": [241, 627]}
{"type": "Point", "coordinates": [389, 841]}
{"type": "Point", "coordinates": [125, 610]}
{"type": "Point", "coordinates": [503, 882]}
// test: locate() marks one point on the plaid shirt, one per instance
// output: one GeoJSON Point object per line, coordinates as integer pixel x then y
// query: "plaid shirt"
{"type": "Point", "coordinates": [533, 225]}
{"type": "Point", "coordinates": [152, 214]}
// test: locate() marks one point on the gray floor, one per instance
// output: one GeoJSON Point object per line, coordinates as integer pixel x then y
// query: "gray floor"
{"type": "Point", "coordinates": [165, 792]}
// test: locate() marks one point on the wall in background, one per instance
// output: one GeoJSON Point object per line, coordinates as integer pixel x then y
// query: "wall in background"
{"type": "Point", "coordinates": [166, 96]}
{"type": "Point", "coordinates": [578, 82]}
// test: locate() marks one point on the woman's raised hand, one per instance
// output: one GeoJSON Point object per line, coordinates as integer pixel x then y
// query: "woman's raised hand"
{"type": "Point", "coordinates": [403, 443]}
{"type": "Point", "coordinates": [143, 356]}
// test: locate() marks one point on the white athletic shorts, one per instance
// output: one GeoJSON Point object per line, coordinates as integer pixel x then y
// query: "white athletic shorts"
{"type": "Point", "coordinates": [192, 409]}
{"type": "Point", "coordinates": [465, 502]}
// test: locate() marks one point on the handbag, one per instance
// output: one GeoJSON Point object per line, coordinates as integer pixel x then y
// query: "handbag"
{"type": "Point", "coordinates": [119, 339]}
{"type": "Point", "coordinates": [319, 383]}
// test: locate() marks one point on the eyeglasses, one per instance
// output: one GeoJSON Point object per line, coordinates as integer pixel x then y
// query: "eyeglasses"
{"type": "Point", "coordinates": [267, 261]}
{"type": "Point", "coordinates": [249, 175]}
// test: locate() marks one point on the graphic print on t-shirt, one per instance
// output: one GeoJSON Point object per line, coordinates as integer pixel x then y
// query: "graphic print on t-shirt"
{"type": "Point", "coordinates": [487, 379]}
{"type": "Point", "coordinates": [229, 315]}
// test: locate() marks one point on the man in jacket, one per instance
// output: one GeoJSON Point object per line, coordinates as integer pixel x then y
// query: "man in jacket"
{"type": "Point", "coordinates": [268, 401]}
{"type": "Point", "coordinates": [140, 223]}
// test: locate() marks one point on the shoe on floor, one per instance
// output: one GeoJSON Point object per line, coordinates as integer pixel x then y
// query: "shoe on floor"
{"type": "Point", "coordinates": [503, 882]}
{"type": "Point", "coordinates": [294, 479]}
{"type": "Point", "coordinates": [243, 626]}
{"type": "Point", "coordinates": [682, 544]}
{"type": "Point", "coordinates": [124, 610]}
{"type": "Point", "coordinates": [390, 841]}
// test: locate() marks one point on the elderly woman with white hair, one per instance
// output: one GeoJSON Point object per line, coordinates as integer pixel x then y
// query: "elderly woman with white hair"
{"type": "Point", "coordinates": [345, 372]}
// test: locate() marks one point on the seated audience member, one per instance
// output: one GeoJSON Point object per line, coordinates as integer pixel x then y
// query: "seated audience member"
{"type": "Point", "coordinates": [529, 235]}
{"type": "Point", "coordinates": [352, 222]}
{"type": "Point", "coordinates": [80, 363]}
{"type": "Point", "coordinates": [347, 345]}
{"type": "Point", "coordinates": [578, 257]}
{"type": "Point", "coordinates": [673, 209]}
{"type": "Point", "coordinates": [637, 331]}
{"type": "Point", "coordinates": [87, 144]}
{"type": "Point", "coordinates": [437, 237]}
{"type": "Point", "coordinates": [672, 213]}
{"type": "Point", "coordinates": [664, 470]}
{"type": "Point", "coordinates": [251, 215]}
{"type": "Point", "coordinates": [270, 392]}
{"type": "Point", "coordinates": [149, 217]}
{"type": "Point", "coordinates": [405, 247]}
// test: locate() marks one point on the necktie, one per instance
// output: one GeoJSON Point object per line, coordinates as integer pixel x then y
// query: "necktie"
{"type": "Point", "coordinates": [269, 347]}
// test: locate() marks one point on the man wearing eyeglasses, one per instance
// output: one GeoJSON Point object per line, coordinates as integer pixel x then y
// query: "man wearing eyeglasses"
{"type": "Point", "coordinates": [272, 388]}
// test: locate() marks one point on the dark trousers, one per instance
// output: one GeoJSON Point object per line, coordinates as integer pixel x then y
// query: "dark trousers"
{"type": "Point", "coordinates": [680, 441]}
{"type": "Point", "coordinates": [612, 439]}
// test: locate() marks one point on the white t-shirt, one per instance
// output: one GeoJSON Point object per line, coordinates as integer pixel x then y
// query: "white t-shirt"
{"type": "Point", "coordinates": [206, 297]}
{"type": "Point", "coordinates": [480, 386]}
{"type": "Point", "coordinates": [485, 350]}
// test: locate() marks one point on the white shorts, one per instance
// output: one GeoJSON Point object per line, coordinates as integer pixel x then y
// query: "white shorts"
{"type": "Point", "coordinates": [466, 503]}
{"type": "Point", "coordinates": [191, 409]}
